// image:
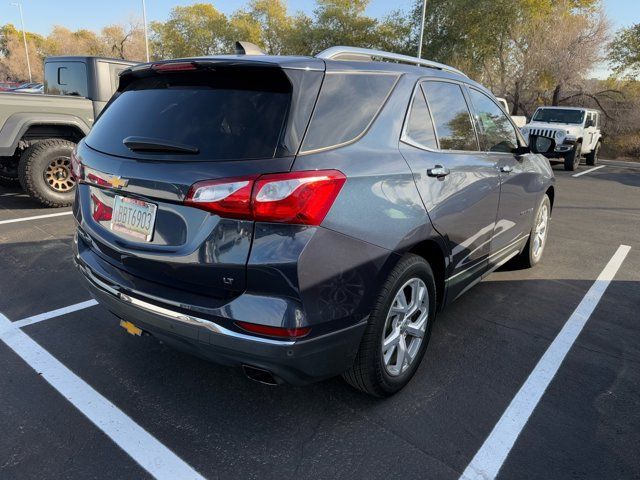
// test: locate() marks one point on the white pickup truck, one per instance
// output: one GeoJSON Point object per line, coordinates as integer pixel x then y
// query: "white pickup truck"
{"type": "Point", "coordinates": [566, 134]}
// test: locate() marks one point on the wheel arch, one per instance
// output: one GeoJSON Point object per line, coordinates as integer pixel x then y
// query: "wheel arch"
{"type": "Point", "coordinates": [432, 251]}
{"type": "Point", "coordinates": [551, 192]}
{"type": "Point", "coordinates": [22, 127]}
{"type": "Point", "coordinates": [41, 131]}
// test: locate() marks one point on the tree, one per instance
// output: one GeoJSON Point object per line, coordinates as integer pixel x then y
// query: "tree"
{"type": "Point", "coordinates": [521, 49]}
{"type": "Point", "coordinates": [124, 41]}
{"type": "Point", "coordinates": [194, 30]}
{"type": "Point", "coordinates": [14, 61]}
{"type": "Point", "coordinates": [265, 23]}
{"type": "Point", "coordinates": [624, 51]}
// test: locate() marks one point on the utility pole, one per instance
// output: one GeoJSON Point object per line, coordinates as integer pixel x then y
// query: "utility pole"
{"type": "Point", "coordinates": [146, 35]}
{"type": "Point", "coordinates": [24, 39]}
{"type": "Point", "coordinates": [424, 11]}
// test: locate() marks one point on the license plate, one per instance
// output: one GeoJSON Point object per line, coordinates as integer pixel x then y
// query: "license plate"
{"type": "Point", "coordinates": [133, 217]}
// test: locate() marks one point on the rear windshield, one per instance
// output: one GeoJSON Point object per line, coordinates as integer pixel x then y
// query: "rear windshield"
{"type": "Point", "coordinates": [224, 114]}
{"type": "Point", "coordinates": [558, 115]}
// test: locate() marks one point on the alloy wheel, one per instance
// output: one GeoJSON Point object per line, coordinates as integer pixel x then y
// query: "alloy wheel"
{"type": "Point", "coordinates": [405, 326]}
{"type": "Point", "coordinates": [540, 231]}
{"type": "Point", "coordinates": [58, 175]}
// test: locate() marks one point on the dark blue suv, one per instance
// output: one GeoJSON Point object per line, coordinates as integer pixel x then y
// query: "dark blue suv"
{"type": "Point", "coordinates": [302, 217]}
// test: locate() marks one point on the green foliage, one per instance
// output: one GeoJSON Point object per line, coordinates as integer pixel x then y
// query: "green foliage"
{"type": "Point", "coordinates": [194, 30]}
{"type": "Point", "coordinates": [200, 29]}
{"type": "Point", "coordinates": [624, 51]}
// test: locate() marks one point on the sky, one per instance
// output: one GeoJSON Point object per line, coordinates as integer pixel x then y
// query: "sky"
{"type": "Point", "coordinates": [42, 15]}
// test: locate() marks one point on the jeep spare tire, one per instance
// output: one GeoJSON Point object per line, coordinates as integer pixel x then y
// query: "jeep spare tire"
{"type": "Point", "coordinates": [45, 172]}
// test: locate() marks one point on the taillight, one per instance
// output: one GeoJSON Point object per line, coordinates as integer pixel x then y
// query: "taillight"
{"type": "Point", "coordinates": [174, 67]}
{"type": "Point", "coordinates": [101, 211]}
{"type": "Point", "coordinates": [295, 197]}
{"type": "Point", "coordinates": [278, 332]}
{"type": "Point", "coordinates": [229, 197]}
{"type": "Point", "coordinates": [76, 167]}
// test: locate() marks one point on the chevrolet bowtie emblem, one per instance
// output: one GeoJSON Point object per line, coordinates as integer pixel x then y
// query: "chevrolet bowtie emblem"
{"type": "Point", "coordinates": [118, 182]}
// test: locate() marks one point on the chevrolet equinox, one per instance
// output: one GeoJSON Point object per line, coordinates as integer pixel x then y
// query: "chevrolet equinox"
{"type": "Point", "coordinates": [302, 217]}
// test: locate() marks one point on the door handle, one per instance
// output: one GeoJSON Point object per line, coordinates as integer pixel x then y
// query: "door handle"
{"type": "Point", "coordinates": [438, 171]}
{"type": "Point", "coordinates": [506, 169]}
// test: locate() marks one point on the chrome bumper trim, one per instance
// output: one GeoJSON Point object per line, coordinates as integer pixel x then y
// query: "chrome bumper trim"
{"type": "Point", "coordinates": [173, 315]}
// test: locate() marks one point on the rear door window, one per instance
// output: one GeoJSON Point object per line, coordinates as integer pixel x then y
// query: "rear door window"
{"type": "Point", "coordinates": [419, 124]}
{"type": "Point", "coordinates": [451, 116]}
{"type": "Point", "coordinates": [496, 130]}
{"type": "Point", "coordinates": [347, 105]}
{"type": "Point", "coordinates": [66, 78]}
{"type": "Point", "coordinates": [229, 114]}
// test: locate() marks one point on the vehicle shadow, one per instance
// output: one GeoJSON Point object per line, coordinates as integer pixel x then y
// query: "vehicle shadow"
{"type": "Point", "coordinates": [15, 199]}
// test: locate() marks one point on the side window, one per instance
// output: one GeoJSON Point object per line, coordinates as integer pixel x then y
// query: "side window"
{"type": "Point", "coordinates": [66, 78]}
{"type": "Point", "coordinates": [347, 104]}
{"type": "Point", "coordinates": [497, 131]}
{"type": "Point", "coordinates": [419, 125]}
{"type": "Point", "coordinates": [451, 116]}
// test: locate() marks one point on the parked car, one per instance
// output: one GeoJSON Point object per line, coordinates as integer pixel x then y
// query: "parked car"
{"type": "Point", "coordinates": [31, 88]}
{"type": "Point", "coordinates": [302, 217]}
{"type": "Point", "coordinates": [519, 120]}
{"type": "Point", "coordinates": [37, 133]}
{"type": "Point", "coordinates": [22, 85]}
{"type": "Point", "coordinates": [6, 86]}
{"type": "Point", "coordinates": [565, 134]}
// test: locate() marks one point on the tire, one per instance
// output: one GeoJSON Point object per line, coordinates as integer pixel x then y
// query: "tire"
{"type": "Point", "coordinates": [592, 157]}
{"type": "Point", "coordinates": [369, 372]}
{"type": "Point", "coordinates": [48, 158]}
{"type": "Point", "coordinates": [532, 253]}
{"type": "Point", "coordinates": [9, 172]}
{"type": "Point", "coordinates": [572, 159]}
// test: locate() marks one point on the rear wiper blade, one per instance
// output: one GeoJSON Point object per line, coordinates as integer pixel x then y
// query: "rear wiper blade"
{"type": "Point", "coordinates": [146, 144]}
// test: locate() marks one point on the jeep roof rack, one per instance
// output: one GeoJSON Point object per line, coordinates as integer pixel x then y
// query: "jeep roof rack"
{"type": "Point", "coordinates": [359, 54]}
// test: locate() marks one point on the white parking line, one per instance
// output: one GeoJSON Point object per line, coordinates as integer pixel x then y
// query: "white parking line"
{"type": "Point", "coordinates": [35, 217]}
{"type": "Point", "coordinates": [139, 444]}
{"type": "Point", "coordinates": [53, 313]}
{"type": "Point", "coordinates": [588, 171]}
{"type": "Point", "coordinates": [487, 462]}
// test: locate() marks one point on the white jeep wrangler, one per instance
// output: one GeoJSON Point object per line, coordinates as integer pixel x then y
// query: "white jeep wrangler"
{"type": "Point", "coordinates": [566, 134]}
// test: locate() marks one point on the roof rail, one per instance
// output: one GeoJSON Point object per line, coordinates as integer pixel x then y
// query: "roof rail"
{"type": "Point", "coordinates": [356, 53]}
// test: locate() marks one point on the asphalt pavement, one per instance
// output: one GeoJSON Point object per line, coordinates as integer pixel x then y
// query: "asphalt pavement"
{"type": "Point", "coordinates": [80, 398]}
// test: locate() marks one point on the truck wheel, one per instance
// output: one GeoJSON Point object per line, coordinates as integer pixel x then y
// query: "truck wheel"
{"type": "Point", "coordinates": [398, 331]}
{"type": "Point", "coordinates": [532, 253]}
{"type": "Point", "coordinates": [572, 159]}
{"type": "Point", "coordinates": [8, 171]}
{"type": "Point", "coordinates": [592, 158]}
{"type": "Point", "coordinates": [45, 172]}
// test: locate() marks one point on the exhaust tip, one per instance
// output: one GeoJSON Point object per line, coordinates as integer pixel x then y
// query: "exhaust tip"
{"type": "Point", "coordinates": [260, 375]}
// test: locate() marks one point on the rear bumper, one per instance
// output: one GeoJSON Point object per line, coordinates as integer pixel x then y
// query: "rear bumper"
{"type": "Point", "coordinates": [295, 362]}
